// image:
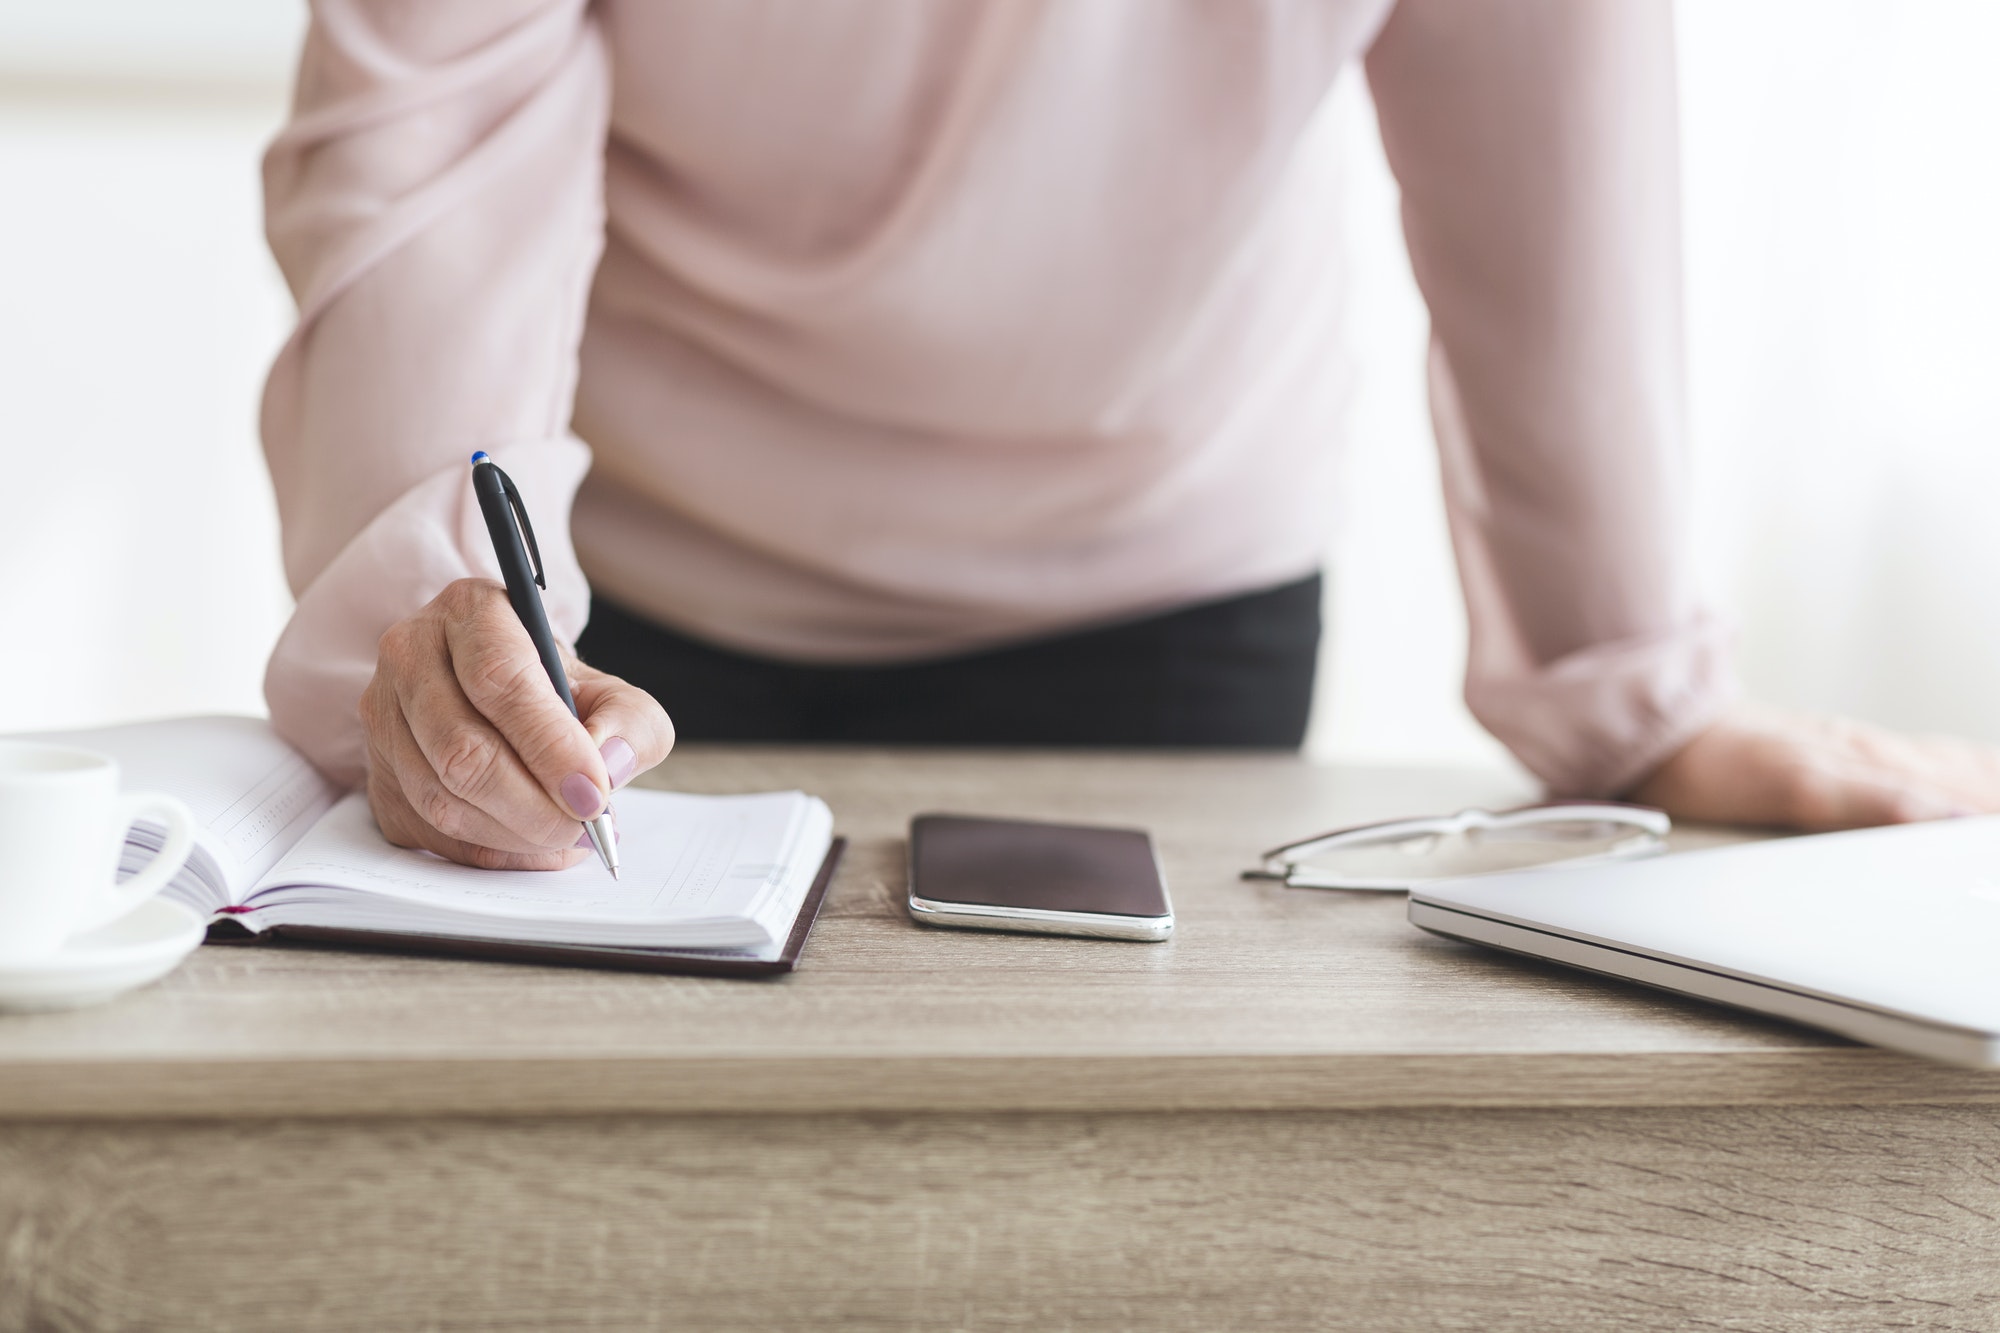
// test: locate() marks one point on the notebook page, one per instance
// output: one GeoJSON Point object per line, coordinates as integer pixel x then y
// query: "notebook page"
{"type": "Point", "coordinates": [252, 795]}
{"type": "Point", "coordinates": [697, 872]}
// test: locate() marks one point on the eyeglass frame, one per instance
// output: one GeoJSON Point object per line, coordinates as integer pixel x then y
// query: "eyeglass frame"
{"type": "Point", "coordinates": [1649, 838]}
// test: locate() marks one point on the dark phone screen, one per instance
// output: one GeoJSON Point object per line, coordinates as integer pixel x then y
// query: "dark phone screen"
{"type": "Point", "coordinates": [1019, 863]}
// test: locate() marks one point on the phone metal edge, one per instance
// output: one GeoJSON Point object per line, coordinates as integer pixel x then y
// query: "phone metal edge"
{"type": "Point", "coordinates": [1041, 920]}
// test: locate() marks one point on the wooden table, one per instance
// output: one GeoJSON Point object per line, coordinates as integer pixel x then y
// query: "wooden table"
{"type": "Point", "coordinates": [1300, 1113]}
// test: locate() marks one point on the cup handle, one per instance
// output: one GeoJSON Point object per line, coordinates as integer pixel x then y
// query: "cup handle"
{"type": "Point", "coordinates": [122, 898]}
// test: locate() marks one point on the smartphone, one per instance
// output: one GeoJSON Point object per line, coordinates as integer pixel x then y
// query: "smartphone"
{"type": "Point", "coordinates": [1051, 879]}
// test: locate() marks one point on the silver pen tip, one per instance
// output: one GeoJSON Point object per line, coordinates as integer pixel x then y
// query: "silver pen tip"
{"type": "Point", "coordinates": [614, 872]}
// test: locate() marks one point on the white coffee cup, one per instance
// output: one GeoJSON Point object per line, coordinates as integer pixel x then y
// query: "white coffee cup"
{"type": "Point", "coordinates": [62, 827]}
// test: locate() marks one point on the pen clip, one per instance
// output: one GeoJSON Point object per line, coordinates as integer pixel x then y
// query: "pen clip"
{"type": "Point", "coordinates": [527, 528]}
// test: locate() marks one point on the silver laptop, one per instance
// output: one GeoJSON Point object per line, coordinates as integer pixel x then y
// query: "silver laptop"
{"type": "Point", "coordinates": [1890, 936]}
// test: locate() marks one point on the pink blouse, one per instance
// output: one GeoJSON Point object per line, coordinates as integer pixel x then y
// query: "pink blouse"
{"type": "Point", "coordinates": [898, 328]}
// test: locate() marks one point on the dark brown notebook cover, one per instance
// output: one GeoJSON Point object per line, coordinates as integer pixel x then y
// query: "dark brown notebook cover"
{"type": "Point", "coordinates": [687, 962]}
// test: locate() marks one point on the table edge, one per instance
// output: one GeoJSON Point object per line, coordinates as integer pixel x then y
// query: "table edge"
{"type": "Point", "coordinates": [611, 1085]}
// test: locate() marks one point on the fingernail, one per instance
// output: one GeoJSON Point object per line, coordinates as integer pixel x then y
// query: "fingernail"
{"type": "Point", "coordinates": [583, 840]}
{"type": "Point", "coordinates": [619, 761]}
{"type": "Point", "coordinates": [584, 799]}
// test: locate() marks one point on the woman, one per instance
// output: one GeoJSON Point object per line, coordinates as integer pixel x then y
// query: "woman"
{"type": "Point", "coordinates": [961, 372]}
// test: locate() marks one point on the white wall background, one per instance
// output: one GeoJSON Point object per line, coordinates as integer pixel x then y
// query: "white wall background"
{"type": "Point", "coordinates": [1843, 201]}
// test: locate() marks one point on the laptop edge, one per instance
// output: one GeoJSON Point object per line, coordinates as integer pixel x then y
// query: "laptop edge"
{"type": "Point", "coordinates": [1939, 1041]}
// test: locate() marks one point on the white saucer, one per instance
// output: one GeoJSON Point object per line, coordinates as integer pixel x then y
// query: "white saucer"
{"type": "Point", "coordinates": [143, 945]}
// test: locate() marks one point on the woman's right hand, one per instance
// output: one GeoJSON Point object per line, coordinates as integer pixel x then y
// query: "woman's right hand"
{"type": "Point", "coordinates": [471, 753]}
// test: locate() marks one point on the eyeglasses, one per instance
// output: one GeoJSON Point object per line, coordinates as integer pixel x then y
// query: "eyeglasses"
{"type": "Point", "coordinates": [1393, 856]}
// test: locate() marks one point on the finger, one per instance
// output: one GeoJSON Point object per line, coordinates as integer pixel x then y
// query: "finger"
{"type": "Point", "coordinates": [394, 751]}
{"type": "Point", "coordinates": [632, 732]}
{"type": "Point", "coordinates": [469, 757]}
{"type": "Point", "coordinates": [402, 826]}
{"type": "Point", "coordinates": [1967, 770]}
{"type": "Point", "coordinates": [503, 679]}
{"type": "Point", "coordinates": [1833, 796]}
{"type": "Point", "coordinates": [1930, 777]}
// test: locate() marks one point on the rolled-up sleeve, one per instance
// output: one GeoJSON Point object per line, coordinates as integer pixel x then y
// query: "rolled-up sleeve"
{"type": "Point", "coordinates": [1536, 148]}
{"type": "Point", "coordinates": [435, 203]}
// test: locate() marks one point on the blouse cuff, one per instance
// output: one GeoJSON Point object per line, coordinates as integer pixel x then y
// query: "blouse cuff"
{"type": "Point", "coordinates": [430, 536]}
{"type": "Point", "coordinates": [1596, 723]}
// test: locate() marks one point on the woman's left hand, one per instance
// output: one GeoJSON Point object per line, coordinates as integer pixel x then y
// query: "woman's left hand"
{"type": "Point", "coordinates": [1757, 765]}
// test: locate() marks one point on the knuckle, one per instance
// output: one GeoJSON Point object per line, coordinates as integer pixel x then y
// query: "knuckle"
{"type": "Point", "coordinates": [468, 763]}
{"type": "Point", "coordinates": [443, 812]}
{"type": "Point", "coordinates": [516, 696]}
{"type": "Point", "coordinates": [395, 644]}
{"type": "Point", "coordinates": [487, 612]}
{"type": "Point", "coordinates": [501, 679]}
{"type": "Point", "coordinates": [543, 740]}
{"type": "Point", "coordinates": [462, 597]}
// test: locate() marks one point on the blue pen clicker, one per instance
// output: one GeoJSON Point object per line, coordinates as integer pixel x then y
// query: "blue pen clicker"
{"type": "Point", "coordinates": [521, 567]}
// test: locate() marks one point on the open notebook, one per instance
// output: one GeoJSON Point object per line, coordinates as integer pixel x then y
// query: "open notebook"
{"type": "Point", "coordinates": [715, 884]}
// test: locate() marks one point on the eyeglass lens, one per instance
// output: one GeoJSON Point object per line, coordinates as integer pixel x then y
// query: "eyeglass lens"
{"type": "Point", "coordinates": [1426, 856]}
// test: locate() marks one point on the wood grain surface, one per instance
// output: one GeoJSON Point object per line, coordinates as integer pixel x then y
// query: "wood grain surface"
{"type": "Point", "coordinates": [1265, 998]}
{"type": "Point", "coordinates": [1299, 1114]}
{"type": "Point", "coordinates": [1758, 1218]}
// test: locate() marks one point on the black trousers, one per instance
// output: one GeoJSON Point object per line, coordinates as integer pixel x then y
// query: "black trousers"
{"type": "Point", "coordinates": [1236, 672]}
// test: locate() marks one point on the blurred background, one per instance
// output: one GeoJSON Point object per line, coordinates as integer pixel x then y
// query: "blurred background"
{"type": "Point", "coordinates": [1842, 208]}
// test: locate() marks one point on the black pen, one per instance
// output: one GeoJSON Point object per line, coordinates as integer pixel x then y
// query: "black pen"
{"type": "Point", "coordinates": [501, 504]}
